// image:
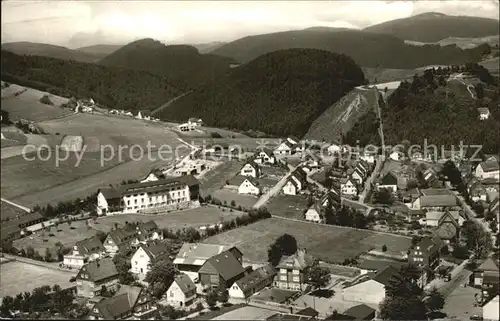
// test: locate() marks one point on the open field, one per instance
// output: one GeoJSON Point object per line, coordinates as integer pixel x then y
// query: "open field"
{"type": "Point", "coordinates": [16, 277]}
{"type": "Point", "coordinates": [491, 65]}
{"type": "Point", "coordinates": [217, 177]}
{"type": "Point", "coordinates": [326, 242]}
{"type": "Point", "coordinates": [26, 104]}
{"type": "Point", "coordinates": [68, 235]}
{"type": "Point", "coordinates": [13, 138]}
{"type": "Point", "coordinates": [8, 210]}
{"type": "Point", "coordinates": [376, 75]}
{"type": "Point", "coordinates": [197, 217]}
{"type": "Point", "coordinates": [289, 206]}
{"type": "Point", "coordinates": [464, 43]}
{"type": "Point", "coordinates": [246, 313]}
{"type": "Point", "coordinates": [245, 201]}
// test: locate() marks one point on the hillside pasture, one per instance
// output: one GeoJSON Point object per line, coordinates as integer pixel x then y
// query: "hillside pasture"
{"type": "Point", "coordinates": [196, 217]}
{"type": "Point", "coordinates": [289, 206]}
{"type": "Point", "coordinates": [245, 201]}
{"type": "Point", "coordinates": [326, 242]}
{"type": "Point", "coordinates": [217, 177]}
{"type": "Point", "coordinates": [21, 102]}
{"type": "Point", "coordinates": [17, 277]}
{"type": "Point", "coordinates": [7, 210]}
{"type": "Point", "coordinates": [12, 138]}
{"type": "Point", "coordinates": [377, 75]}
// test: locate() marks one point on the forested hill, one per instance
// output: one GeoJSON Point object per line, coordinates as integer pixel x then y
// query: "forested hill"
{"type": "Point", "coordinates": [441, 109]}
{"type": "Point", "coordinates": [280, 93]}
{"type": "Point", "coordinates": [112, 87]}
{"type": "Point", "coordinates": [432, 27]}
{"type": "Point", "coordinates": [367, 49]}
{"type": "Point", "coordinates": [181, 63]}
{"type": "Point", "coordinates": [46, 50]}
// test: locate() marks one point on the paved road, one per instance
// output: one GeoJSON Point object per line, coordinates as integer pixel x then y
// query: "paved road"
{"type": "Point", "coordinates": [17, 205]}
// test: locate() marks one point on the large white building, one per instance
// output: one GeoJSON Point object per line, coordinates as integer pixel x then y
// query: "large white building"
{"type": "Point", "coordinates": [148, 197]}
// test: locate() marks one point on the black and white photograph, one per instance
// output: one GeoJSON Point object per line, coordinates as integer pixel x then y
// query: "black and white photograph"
{"type": "Point", "coordinates": [250, 160]}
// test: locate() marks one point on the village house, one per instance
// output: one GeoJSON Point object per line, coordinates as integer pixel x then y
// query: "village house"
{"type": "Point", "coordinates": [251, 169]}
{"type": "Point", "coordinates": [358, 176]}
{"type": "Point", "coordinates": [476, 190]}
{"type": "Point", "coordinates": [264, 156]}
{"type": "Point", "coordinates": [448, 227]}
{"type": "Point", "coordinates": [86, 250]}
{"type": "Point", "coordinates": [368, 156]}
{"type": "Point", "coordinates": [315, 213]}
{"type": "Point", "coordinates": [96, 276]}
{"type": "Point", "coordinates": [120, 240]}
{"type": "Point", "coordinates": [396, 156]}
{"type": "Point", "coordinates": [484, 113]}
{"type": "Point", "coordinates": [425, 255]}
{"type": "Point", "coordinates": [153, 176]}
{"type": "Point", "coordinates": [348, 187]}
{"type": "Point", "coordinates": [436, 203]}
{"type": "Point", "coordinates": [491, 309]}
{"type": "Point", "coordinates": [85, 106]}
{"type": "Point", "coordinates": [374, 265]}
{"type": "Point", "coordinates": [487, 169]}
{"type": "Point", "coordinates": [389, 181]}
{"type": "Point", "coordinates": [369, 288]}
{"type": "Point", "coordinates": [360, 312]}
{"type": "Point", "coordinates": [192, 256]}
{"type": "Point", "coordinates": [295, 182]}
{"type": "Point", "coordinates": [221, 271]}
{"type": "Point", "coordinates": [149, 197]}
{"type": "Point", "coordinates": [145, 256]}
{"type": "Point", "coordinates": [181, 292]}
{"type": "Point", "coordinates": [433, 218]}
{"type": "Point", "coordinates": [143, 114]}
{"type": "Point", "coordinates": [129, 302]}
{"type": "Point", "coordinates": [332, 198]}
{"type": "Point", "coordinates": [291, 187]}
{"type": "Point", "coordinates": [292, 270]}
{"type": "Point", "coordinates": [249, 186]}
{"type": "Point", "coordinates": [486, 275]}
{"type": "Point", "coordinates": [492, 187]}
{"type": "Point", "coordinates": [334, 149]}
{"type": "Point", "coordinates": [285, 148]}
{"type": "Point", "coordinates": [430, 176]}
{"type": "Point", "coordinates": [252, 282]}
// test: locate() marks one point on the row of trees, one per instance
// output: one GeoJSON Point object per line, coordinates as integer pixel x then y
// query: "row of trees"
{"type": "Point", "coordinates": [68, 207]}
{"type": "Point", "coordinates": [345, 216]}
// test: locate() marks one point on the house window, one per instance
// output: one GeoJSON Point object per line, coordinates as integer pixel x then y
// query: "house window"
{"type": "Point", "coordinates": [136, 263]}
{"type": "Point", "coordinates": [282, 270]}
{"type": "Point", "coordinates": [296, 279]}
{"type": "Point", "coordinates": [171, 294]}
{"type": "Point", "coordinates": [283, 277]}
{"type": "Point", "coordinates": [296, 272]}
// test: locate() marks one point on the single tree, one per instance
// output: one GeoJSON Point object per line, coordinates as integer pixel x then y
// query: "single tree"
{"type": "Point", "coordinates": [160, 276]}
{"type": "Point", "coordinates": [403, 308]}
{"type": "Point", "coordinates": [211, 299]}
{"type": "Point", "coordinates": [223, 296]}
{"type": "Point", "coordinates": [384, 248]}
{"type": "Point", "coordinates": [434, 301]}
{"type": "Point", "coordinates": [318, 276]}
{"type": "Point", "coordinates": [383, 196]}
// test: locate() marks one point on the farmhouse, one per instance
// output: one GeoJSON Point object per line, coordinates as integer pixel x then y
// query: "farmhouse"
{"type": "Point", "coordinates": [285, 148]}
{"type": "Point", "coordinates": [252, 282]}
{"type": "Point", "coordinates": [332, 198]}
{"type": "Point", "coordinates": [315, 213]}
{"type": "Point", "coordinates": [88, 249]}
{"type": "Point", "coordinates": [486, 273]}
{"type": "Point", "coordinates": [95, 276]}
{"type": "Point", "coordinates": [484, 113]}
{"type": "Point", "coordinates": [388, 181]}
{"type": "Point", "coordinates": [477, 192]}
{"type": "Point", "coordinates": [120, 240]}
{"type": "Point", "coordinates": [152, 196]}
{"type": "Point", "coordinates": [143, 114]}
{"type": "Point", "coordinates": [295, 182]}
{"type": "Point", "coordinates": [348, 187]}
{"type": "Point", "coordinates": [181, 292]}
{"type": "Point", "coordinates": [487, 169]}
{"type": "Point", "coordinates": [145, 256]}
{"type": "Point", "coordinates": [292, 270]}
{"type": "Point", "coordinates": [251, 169]}
{"type": "Point", "coordinates": [358, 175]}
{"type": "Point", "coordinates": [369, 288]}
{"type": "Point", "coordinates": [192, 256]}
{"type": "Point", "coordinates": [265, 156]}
{"type": "Point", "coordinates": [221, 271]}
{"type": "Point", "coordinates": [291, 187]}
{"type": "Point", "coordinates": [448, 228]}
{"type": "Point", "coordinates": [129, 302]}
{"type": "Point", "coordinates": [249, 186]}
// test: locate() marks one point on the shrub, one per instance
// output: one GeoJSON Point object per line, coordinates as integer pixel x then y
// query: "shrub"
{"type": "Point", "coordinates": [46, 100]}
{"type": "Point", "coordinates": [384, 248]}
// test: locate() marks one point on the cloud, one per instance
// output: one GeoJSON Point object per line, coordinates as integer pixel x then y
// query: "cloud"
{"type": "Point", "coordinates": [75, 22]}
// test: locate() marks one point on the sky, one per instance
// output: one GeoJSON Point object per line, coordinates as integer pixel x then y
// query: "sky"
{"type": "Point", "coordinates": [82, 23]}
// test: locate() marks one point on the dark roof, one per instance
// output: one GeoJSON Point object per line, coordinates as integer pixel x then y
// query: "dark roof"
{"type": "Point", "coordinates": [446, 231]}
{"type": "Point", "coordinates": [185, 283]}
{"type": "Point", "coordinates": [198, 253]}
{"type": "Point", "coordinates": [383, 276]}
{"type": "Point", "coordinates": [99, 269]}
{"type": "Point", "coordinates": [256, 277]}
{"type": "Point", "coordinates": [377, 264]}
{"type": "Point", "coordinates": [268, 151]}
{"type": "Point", "coordinates": [438, 200]}
{"type": "Point", "coordinates": [122, 235]}
{"type": "Point", "coordinates": [488, 265]}
{"type": "Point", "coordinates": [143, 229]}
{"type": "Point", "coordinates": [89, 246]}
{"type": "Point", "coordinates": [361, 312]}
{"type": "Point", "coordinates": [300, 260]}
{"type": "Point", "coordinates": [389, 179]}
{"type": "Point", "coordinates": [429, 245]}
{"type": "Point", "coordinates": [121, 303]}
{"type": "Point", "coordinates": [110, 192]}
{"type": "Point", "coordinates": [226, 265]}
{"type": "Point", "coordinates": [489, 166]}
{"type": "Point", "coordinates": [155, 250]}
{"type": "Point", "coordinates": [161, 184]}
{"type": "Point", "coordinates": [491, 278]}
{"type": "Point", "coordinates": [145, 112]}
{"type": "Point", "coordinates": [310, 312]}
{"type": "Point", "coordinates": [7, 231]}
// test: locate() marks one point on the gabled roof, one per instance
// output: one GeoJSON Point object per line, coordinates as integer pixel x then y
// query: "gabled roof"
{"type": "Point", "coordinates": [309, 312]}
{"type": "Point", "coordinates": [360, 312]}
{"type": "Point", "coordinates": [155, 250]}
{"type": "Point", "coordinates": [483, 110]}
{"type": "Point", "coordinates": [121, 303]}
{"type": "Point", "coordinates": [446, 231]}
{"type": "Point", "coordinates": [298, 261]}
{"type": "Point", "coordinates": [89, 246]}
{"type": "Point", "coordinates": [198, 253]}
{"type": "Point", "coordinates": [252, 181]}
{"type": "Point", "coordinates": [428, 245]}
{"type": "Point", "coordinates": [300, 174]}
{"type": "Point", "coordinates": [489, 166]}
{"type": "Point", "coordinates": [377, 264]}
{"type": "Point", "coordinates": [99, 269]}
{"type": "Point", "coordinates": [226, 265]}
{"type": "Point", "coordinates": [189, 180]}
{"type": "Point", "coordinates": [256, 277]}
{"type": "Point", "coordinates": [145, 112]}
{"type": "Point", "coordinates": [333, 196]}
{"type": "Point", "coordinates": [237, 180]}
{"type": "Point", "coordinates": [489, 265]}
{"type": "Point", "coordinates": [122, 235]}
{"type": "Point", "coordinates": [185, 283]}
{"type": "Point", "coordinates": [438, 200]}
{"type": "Point", "coordinates": [389, 179]}
{"type": "Point", "coordinates": [267, 151]}
{"type": "Point", "coordinates": [383, 276]}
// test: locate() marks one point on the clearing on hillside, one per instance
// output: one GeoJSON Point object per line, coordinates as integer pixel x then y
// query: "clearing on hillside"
{"type": "Point", "coordinates": [339, 118]}
{"type": "Point", "coordinates": [328, 243]}
{"type": "Point", "coordinates": [22, 102]}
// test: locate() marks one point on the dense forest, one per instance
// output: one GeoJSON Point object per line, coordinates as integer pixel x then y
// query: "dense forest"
{"type": "Point", "coordinates": [112, 87]}
{"type": "Point", "coordinates": [279, 93]}
{"type": "Point", "coordinates": [181, 63]}
{"type": "Point", "coordinates": [432, 27]}
{"type": "Point", "coordinates": [367, 49]}
{"type": "Point", "coordinates": [441, 111]}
